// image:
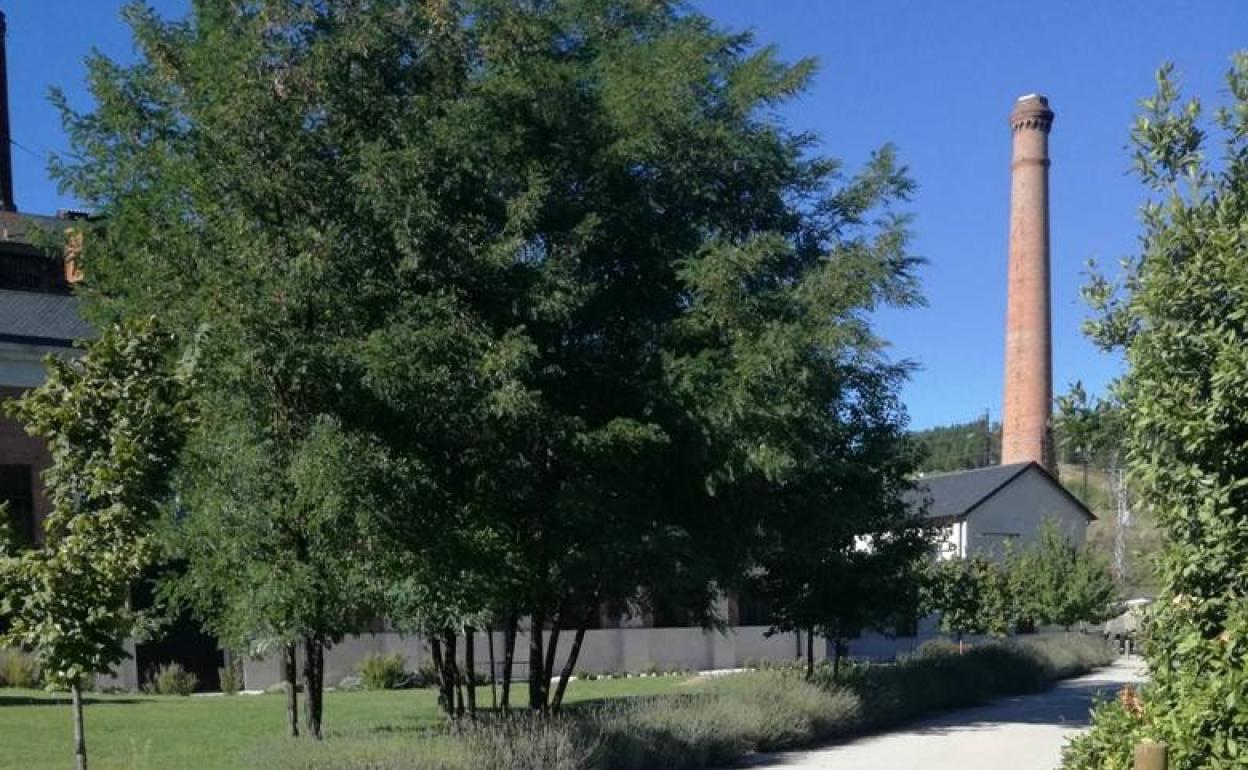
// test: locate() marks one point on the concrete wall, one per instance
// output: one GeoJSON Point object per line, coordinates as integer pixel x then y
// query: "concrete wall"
{"type": "Point", "coordinates": [1017, 512]}
{"type": "Point", "coordinates": [604, 650]}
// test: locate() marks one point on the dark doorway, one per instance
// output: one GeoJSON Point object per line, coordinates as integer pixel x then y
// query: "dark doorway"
{"type": "Point", "coordinates": [181, 641]}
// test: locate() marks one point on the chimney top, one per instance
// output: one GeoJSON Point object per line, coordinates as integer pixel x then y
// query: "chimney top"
{"type": "Point", "coordinates": [1031, 111]}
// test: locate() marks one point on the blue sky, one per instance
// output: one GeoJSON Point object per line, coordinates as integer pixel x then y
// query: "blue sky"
{"type": "Point", "coordinates": [935, 78]}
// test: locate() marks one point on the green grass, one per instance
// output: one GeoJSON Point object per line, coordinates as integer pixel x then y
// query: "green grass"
{"type": "Point", "coordinates": [139, 732]}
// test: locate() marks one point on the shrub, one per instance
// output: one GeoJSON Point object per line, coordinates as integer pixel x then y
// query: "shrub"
{"type": "Point", "coordinates": [231, 678]}
{"type": "Point", "coordinates": [384, 672]}
{"type": "Point", "coordinates": [17, 669]}
{"type": "Point", "coordinates": [426, 675]}
{"type": "Point", "coordinates": [937, 677]}
{"type": "Point", "coordinates": [683, 731]}
{"type": "Point", "coordinates": [787, 711]}
{"type": "Point", "coordinates": [1119, 726]}
{"type": "Point", "coordinates": [171, 679]}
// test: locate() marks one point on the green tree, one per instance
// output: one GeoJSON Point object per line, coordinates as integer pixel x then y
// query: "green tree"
{"type": "Point", "coordinates": [513, 307]}
{"type": "Point", "coordinates": [844, 555]}
{"type": "Point", "coordinates": [114, 419]}
{"type": "Point", "coordinates": [1055, 582]}
{"type": "Point", "coordinates": [960, 446]}
{"type": "Point", "coordinates": [959, 590]}
{"type": "Point", "coordinates": [1178, 314]}
{"type": "Point", "coordinates": [298, 185]}
{"type": "Point", "coordinates": [688, 333]}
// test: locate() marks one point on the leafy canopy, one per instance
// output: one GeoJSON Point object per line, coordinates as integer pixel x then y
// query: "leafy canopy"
{"type": "Point", "coordinates": [1178, 313]}
{"type": "Point", "coordinates": [114, 420]}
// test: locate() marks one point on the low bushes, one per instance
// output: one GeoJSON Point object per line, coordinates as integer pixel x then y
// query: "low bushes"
{"type": "Point", "coordinates": [938, 677]}
{"type": "Point", "coordinates": [231, 678]}
{"type": "Point", "coordinates": [171, 679]}
{"type": "Point", "coordinates": [717, 720]}
{"type": "Point", "coordinates": [384, 672]}
{"type": "Point", "coordinates": [17, 669]}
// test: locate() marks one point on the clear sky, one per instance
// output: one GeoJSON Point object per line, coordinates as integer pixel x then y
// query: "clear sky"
{"type": "Point", "coordinates": [935, 78]}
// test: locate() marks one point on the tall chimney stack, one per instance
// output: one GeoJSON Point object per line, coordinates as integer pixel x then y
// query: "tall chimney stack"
{"type": "Point", "coordinates": [6, 135]}
{"type": "Point", "coordinates": [1025, 429]}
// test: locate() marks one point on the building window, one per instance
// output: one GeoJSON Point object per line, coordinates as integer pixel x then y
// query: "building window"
{"type": "Point", "coordinates": [17, 490]}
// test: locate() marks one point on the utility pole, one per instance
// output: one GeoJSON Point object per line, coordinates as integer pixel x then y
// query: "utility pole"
{"type": "Point", "coordinates": [987, 439]}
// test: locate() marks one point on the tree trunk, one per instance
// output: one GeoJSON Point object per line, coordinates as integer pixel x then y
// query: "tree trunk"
{"type": "Point", "coordinates": [509, 658]}
{"type": "Point", "coordinates": [489, 637]}
{"type": "Point", "coordinates": [446, 689]}
{"type": "Point", "coordinates": [836, 659]}
{"type": "Point", "coordinates": [537, 662]}
{"type": "Point", "coordinates": [291, 686]}
{"type": "Point", "coordinates": [810, 654]}
{"type": "Point", "coordinates": [552, 649]}
{"type": "Point", "coordinates": [452, 663]}
{"type": "Point", "coordinates": [568, 666]}
{"type": "Point", "coordinates": [313, 690]}
{"type": "Point", "coordinates": [470, 670]}
{"type": "Point", "coordinates": [80, 738]}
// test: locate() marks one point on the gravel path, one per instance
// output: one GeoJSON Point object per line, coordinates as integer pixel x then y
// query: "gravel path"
{"type": "Point", "coordinates": [1021, 733]}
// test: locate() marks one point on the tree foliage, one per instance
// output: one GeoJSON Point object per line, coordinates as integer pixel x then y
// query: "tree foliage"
{"type": "Point", "coordinates": [959, 446]}
{"type": "Point", "coordinates": [1052, 582]}
{"type": "Point", "coordinates": [1178, 314]}
{"type": "Point", "coordinates": [1055, 582]}
{"type": "Point", "coordinates": [959, 590]}
{"type": "Point", "coordinates": [512, 309]}
{"type": "Point", "coordinates": [114, 420]}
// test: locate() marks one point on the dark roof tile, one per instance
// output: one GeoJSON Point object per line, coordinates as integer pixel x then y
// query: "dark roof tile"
{"type": "Point", "coordinates": [41, 319]}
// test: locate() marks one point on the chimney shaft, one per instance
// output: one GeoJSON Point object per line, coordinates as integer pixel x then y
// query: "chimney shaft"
{"type": "Point", "coordinates": [6, 135]}
{"type": "Point", "coordinates": [1028, 342]}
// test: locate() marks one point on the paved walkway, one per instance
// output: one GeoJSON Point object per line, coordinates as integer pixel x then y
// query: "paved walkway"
{"type": "Point", "coordinates": [1021, 733]}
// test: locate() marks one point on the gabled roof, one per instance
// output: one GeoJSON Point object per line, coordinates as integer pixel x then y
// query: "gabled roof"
{"type": "Point", "coordinates": [954, 495]}
{"type": "Point", "coordinates": [37, 318]}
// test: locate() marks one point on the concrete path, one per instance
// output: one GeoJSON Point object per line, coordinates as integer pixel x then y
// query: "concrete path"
{"type": "Point", "coordinates": [1021, 733]}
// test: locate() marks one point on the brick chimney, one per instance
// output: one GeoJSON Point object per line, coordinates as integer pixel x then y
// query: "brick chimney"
{"type": "Point", "coordinates": [6, 136]}
{"type": "Point", "coordinates": [1026, 417]}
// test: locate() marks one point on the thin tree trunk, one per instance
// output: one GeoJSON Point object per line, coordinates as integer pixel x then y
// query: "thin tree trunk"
{"type": "Point", "coordinates": [446, 689]}
{"type": "Point", "coordinates": [537, 662]}
{"type": "Point", "coordinates": [452, 664]}
{"type": "Point", "coordinates": [509, 657]}
{"type": "Point", "coordinates": [313, 660]}
{"type": "Point", "coordinates": [552, 649]}
{"type": "Point", "coordinates": [489, 636]}
{"type": "Point", "coordinates": [836, 659]}
{"type": "Point", "coordinates": [470, 670]}
{"type": "Point", "coordinates": [291, 686]}
{"type": "Point", "coordinates": [810, 654]}
{"type": "Point", "coordinates": [568, 666]}
{"type": "Point", "coordinates": [80, 738]}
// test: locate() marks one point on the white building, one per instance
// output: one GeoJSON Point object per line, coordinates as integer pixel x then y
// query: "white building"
{"type": "Point", "coordinates": [980, 510]}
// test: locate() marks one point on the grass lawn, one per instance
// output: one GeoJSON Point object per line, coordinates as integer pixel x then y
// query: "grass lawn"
{"type": "Point", "coordinates": [139, 732]}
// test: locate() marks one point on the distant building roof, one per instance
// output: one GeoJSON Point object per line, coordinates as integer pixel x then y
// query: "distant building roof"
{"type": "Point", "coordinates": [20, 228]}
{"type": "Point", "coordinates": [36, 318]}
{"type": "Point", "coordinates": [953, 495]}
